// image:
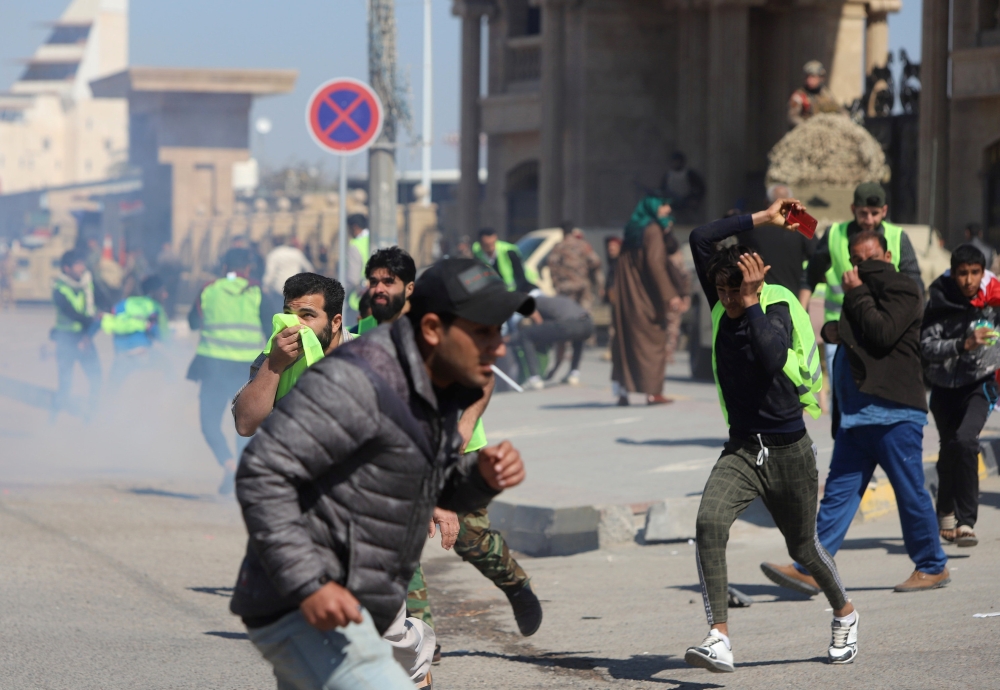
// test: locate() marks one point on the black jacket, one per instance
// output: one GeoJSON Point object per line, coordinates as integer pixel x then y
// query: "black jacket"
{"type": "Point", "coordinates": [880, 326]}
{"type": "Point", "coordinates": [341, 479]}
{"type": "Point", "coordinates": [948, 321]}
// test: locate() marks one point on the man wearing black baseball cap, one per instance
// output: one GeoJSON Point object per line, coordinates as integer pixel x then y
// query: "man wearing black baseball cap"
{"type": "Point", "coordinates": [339, 483]}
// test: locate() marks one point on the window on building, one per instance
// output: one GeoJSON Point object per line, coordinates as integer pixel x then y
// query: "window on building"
{"type": "Point", "coordinates": [993, 191]}
{"type": "Point", "coordinates": [11, 115]}
{"type": "Point", "coordinates": [69, 35]}
{"type": "Point", "coordinates": [522, 199]}
{"type": "Point", "coordinates": [533, 25]}
{"type": "Point", "coordinates": [46, 143]}
{"type": "Point", "coordinates": [989, 22]}
{"type": "Point", "coordinates": [50, 71]}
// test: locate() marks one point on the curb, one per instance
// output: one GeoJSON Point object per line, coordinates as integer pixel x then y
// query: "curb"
{"type": "Point", "coordinates": [542, 531]}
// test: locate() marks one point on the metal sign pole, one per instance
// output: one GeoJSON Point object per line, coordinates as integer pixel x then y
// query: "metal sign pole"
{"type": "Point", "coordinates": [342, 227]}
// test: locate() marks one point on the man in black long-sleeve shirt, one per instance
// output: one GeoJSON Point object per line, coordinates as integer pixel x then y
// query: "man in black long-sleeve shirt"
{"type": "Point", "coordinates": [769, 454]}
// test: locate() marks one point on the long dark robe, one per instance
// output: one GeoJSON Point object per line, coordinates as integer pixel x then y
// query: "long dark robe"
{"type": "Point", "coordinates": [639, 296]}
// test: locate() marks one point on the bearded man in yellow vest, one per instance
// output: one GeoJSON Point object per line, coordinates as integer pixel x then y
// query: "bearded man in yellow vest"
{"type": "Point", "coordinates": [76, 323]}
{"type": "Point", "coordinates": [228, 314]}
{"type": "Point", "coordinates": [832, 257]}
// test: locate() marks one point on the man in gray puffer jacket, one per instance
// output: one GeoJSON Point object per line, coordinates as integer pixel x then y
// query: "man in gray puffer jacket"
{"type": "Point", "coordinates": [340, 482]}
{"type": "Point", "coordinates": [958, 342]}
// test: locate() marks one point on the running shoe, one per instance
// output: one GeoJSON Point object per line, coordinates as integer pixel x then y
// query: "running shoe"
{"type": "Point", "coordinates": [844, 642]}
{"type": "Point", "coordinates": [712, 654]}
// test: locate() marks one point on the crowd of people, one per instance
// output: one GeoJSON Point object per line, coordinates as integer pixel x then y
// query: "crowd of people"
{"type": "Point", "coordinates": [355, 444]}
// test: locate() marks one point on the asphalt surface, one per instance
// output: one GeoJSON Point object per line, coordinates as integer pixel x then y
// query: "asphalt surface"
{"type": "Point", "coordinates": [116, 555]}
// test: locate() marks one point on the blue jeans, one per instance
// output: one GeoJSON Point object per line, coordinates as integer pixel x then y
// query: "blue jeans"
{"type": "Point", "coordinates": [898, 448]}
{"type": "Point", "coordinates": [351, 658]}
{"type": "Point", "coordinates": [830, 351]}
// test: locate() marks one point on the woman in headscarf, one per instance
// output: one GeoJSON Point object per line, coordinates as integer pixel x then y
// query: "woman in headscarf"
{"type": "Point", "coordinates": [641, 296]}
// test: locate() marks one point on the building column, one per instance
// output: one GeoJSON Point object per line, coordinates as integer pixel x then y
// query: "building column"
{"type": "Point", "coordinates": [876, 40]}
{"type": "Point", "coordinates": [728, 38]}
{"type": "Point", "coordinates": [470, 124]}
{"type": "Point", "coordinates": [846, 81]}
{"type": "Point", "coordinates": [934, 140]}
{"type": "Point", "coordinates": [550, 164]}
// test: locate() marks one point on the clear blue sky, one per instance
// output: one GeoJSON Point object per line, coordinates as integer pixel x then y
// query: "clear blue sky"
{"type": "Point", "coordinates": [320, 38]}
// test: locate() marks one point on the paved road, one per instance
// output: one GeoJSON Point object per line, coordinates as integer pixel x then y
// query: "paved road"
{"type": "Point", "coordinates": [110, 584]}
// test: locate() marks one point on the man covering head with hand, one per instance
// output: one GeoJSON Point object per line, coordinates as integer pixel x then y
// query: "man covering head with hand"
{"type": "Point", "coordinates": [340, 482]}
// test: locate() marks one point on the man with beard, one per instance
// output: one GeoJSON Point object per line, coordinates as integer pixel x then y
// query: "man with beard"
{"type": "Point", "coordinates": [315, 302]}
{"type": "Point", "coordinates": [391, 273]}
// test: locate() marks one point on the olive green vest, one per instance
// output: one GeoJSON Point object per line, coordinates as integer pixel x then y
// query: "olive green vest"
{"type": "Point", "coordinates": [801, 365]}
{"type": "Point", "coordinates": [231, 326]}
{"type": "Point", "coordinates": [840, 263]}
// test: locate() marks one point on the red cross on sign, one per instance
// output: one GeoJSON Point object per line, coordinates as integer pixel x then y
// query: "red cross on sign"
{"type": "Point", "coordinates": [344, 116]}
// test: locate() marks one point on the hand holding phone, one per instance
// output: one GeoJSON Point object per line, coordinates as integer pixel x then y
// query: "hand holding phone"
{"type": "Point", "coordinates": [807, 224]}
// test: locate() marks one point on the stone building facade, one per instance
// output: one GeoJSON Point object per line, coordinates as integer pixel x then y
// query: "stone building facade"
{"type": "Point", "coordinates": [586, 99]}
{"type": "Point", "coordinates": [52, 131]}
{"type": "Point", "coordinates": [960, 117]}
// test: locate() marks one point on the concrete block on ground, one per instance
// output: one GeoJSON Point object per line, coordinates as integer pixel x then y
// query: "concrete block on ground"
{"type": "Point", "coordinates": [544, 531]}
{"type": "Point", "coordinates": [671, 519]}
{"type": "Point", "coordinates": [616, 526]}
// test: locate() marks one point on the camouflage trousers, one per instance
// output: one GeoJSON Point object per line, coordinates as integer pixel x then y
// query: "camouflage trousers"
{"type": "Point", "coordinates": [482, 547]}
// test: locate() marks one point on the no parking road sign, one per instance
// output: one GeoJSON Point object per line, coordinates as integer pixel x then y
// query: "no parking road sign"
{"type": "Point", "coordinates": [344, 116]}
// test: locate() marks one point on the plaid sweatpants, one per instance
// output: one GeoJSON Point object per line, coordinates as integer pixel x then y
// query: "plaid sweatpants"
{"type": "Point", "coordinates": [788, 484]}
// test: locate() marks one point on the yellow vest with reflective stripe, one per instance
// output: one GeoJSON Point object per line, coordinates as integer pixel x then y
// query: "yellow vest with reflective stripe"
{"type": "Point", "coordinates": [231, 326]}
{"type": "Point", "coordinates": [77, 299]}
{"type": "Point", "coordinates": [840, 263]}
{"type": "Point", "coordinates": [801, 364]}
{"type": "Point", "coordinates": [135, 316]}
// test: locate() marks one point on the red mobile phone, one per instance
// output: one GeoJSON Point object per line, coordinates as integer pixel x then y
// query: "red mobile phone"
{"type": "Point", "coordinates": [807, 224]}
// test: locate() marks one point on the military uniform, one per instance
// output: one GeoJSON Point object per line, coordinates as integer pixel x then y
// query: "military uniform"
{"type": "Point", "coordinates": [575, 267]}
{"type": "Point", "coordinates": [804, 104]}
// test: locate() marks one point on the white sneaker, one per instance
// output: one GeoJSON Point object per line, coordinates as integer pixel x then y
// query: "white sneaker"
{"type": "Point", "coordinates": [572, 378]}
{"type": "Point", "coordinates": [535, 383]}
{"type": "Point", "coordinates": [844, 643]}
{"type": "Point", "coordinates": [712, 654]}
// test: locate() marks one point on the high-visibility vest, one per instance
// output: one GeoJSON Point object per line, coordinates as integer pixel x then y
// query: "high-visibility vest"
{"type": "Point", "coordinates": [135, 316]}
{"type": "Point", "coordinates": [77, 298]}
{"type": "Point", "coordinates": [478, 439]}
{"type": "Point", "coordinates": [231, 326]}
{"type": "Point", "coordinates": [312, 352]}
{"type": "Point", "coordinates": [504, 266]}
{"type": "Point", "coordinates": [840, 263]}
{"type": "Point", "coordinates": [802, 363]}
{"type": "Point", "coordinates": [363, 244]}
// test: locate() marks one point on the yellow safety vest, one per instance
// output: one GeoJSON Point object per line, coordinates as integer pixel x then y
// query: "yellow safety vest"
{"type": "Point", "coordinates": [504, 266]}
{"type": "Point", "coordinates": [363, 244]}
{"type": "Point", "coordinates": [840, 263]}
{"type": "Point", "coordinates": [135, 317]}
{"type": "Point", "coordinates": [231, 326]}
{"type": "Point", "coordinates": [77, 298]}
{"type": "Point", "coordinates": [802, 363]}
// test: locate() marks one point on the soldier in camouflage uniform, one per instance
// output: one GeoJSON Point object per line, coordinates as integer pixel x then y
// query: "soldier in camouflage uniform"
{"type": "Point", "coordinates": [576, 268]}
{"type": "Point", "coordinates": [813, 96]}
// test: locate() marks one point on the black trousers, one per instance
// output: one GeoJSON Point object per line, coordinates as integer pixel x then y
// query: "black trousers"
{"type": "Point", "coordinates": [960, 414]}
{"type": "Point", "coordinates": [546, 334]}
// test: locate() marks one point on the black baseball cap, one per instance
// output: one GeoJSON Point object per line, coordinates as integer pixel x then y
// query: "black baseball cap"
{"type": "Point", "coordinates": [869, 194]}
{"type": "Point", "coordinates": [469, 289]}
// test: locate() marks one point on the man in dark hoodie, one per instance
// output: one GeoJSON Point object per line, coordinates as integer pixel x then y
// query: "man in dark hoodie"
{"type": "Point", "coordinates": [879, 411]}
{"type": "Point", "coordinates": [961, 354]}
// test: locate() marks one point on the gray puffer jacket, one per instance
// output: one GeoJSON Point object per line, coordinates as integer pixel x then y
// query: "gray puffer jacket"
{"type": "Point", "coordinates": [341, 480]}
{"type": "Point", "coordinates": [948, 320]}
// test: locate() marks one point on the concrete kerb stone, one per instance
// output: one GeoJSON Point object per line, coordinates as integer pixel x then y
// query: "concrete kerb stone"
{"type": "Point", "coordinates": [546, 531]}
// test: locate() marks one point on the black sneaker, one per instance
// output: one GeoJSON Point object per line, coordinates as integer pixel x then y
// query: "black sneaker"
{"type": "Point", "coordinates": [436, 659]}
{"type": "Point", "coordinates": [527, 610]}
